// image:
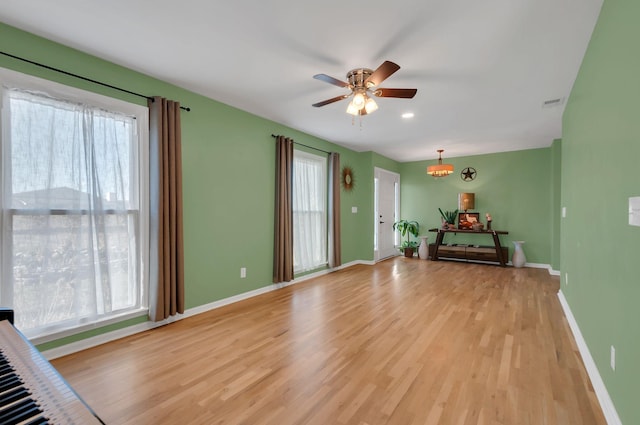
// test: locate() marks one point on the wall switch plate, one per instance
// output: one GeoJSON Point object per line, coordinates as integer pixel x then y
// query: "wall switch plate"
{"type": "Point", "coordinates": [613, 358]}
{"type": "Point", "coordinates": [354, 210]}
{"type": "Point", "coordinates": [243, 272]}
{"type": "Point", "coordinates": [634, 211]}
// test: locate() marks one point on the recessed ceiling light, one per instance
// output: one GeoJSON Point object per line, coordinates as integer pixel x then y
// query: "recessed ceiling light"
{"type": "Point", "coordinates": [408, 115]}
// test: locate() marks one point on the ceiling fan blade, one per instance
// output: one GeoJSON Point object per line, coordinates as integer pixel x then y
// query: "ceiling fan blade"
{"type": "Point", "coordinates": [333, 99]}
{"type": "Point", "coordinates": [383, 72]}
{"type": "Point", "coordinates": [403, 93]}
{"type": "Point", "coordinates": [330, 80]}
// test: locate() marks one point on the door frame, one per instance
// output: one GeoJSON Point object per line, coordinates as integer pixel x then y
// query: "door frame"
{"type": "Point", "coordinates": [377, 172]}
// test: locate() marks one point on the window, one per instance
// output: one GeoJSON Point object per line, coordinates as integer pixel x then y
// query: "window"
{"type": "Point", "coordinates": [74, 206]}
{"type": "Point", "coordinates": [309, 211]}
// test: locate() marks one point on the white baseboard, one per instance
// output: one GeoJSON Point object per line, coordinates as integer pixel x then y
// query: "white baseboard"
{"type": "Point", "coordinates": [94, 341]}
{"type": "Point", "coordinates": [608, 408]}
{"type": "Point", "coordinates": [542, 266]}
{"type": "Point", "coordinates": [363, 262]}
{"type": "Point", "coordinates": [552, 272]}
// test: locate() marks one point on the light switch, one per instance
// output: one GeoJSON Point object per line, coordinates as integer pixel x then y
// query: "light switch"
{"type": "Point", "coordinates": [634, 211]}
{"type": "Point", "coordinates": [354, 210]}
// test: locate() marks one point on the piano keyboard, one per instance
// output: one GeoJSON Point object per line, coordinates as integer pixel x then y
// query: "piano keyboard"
{"type": "Point", "coordinates": [32, 392]}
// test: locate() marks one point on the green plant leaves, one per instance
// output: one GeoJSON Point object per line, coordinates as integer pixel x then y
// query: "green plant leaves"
{"type": "Point", "coordinates": [449, 216]}
{"type": "Point", "coordinates": [407, 228]}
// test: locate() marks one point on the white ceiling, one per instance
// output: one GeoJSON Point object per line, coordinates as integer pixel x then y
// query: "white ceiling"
{"type": "Point", "coordinates": [482, 68]}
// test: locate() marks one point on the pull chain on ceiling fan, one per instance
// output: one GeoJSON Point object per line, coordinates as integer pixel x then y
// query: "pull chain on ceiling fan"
{"type": "Point", "coordinates": [363, 82]}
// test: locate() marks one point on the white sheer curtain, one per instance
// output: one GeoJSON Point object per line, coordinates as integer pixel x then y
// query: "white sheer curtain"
{"type": "Point", "coordinates": [70, 211]}
{"type": "Point", "coordinates": [309, 211]}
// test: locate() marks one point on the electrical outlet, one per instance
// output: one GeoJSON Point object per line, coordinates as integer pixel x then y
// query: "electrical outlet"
{"type": "Point", "coordinates": [243, 272]}
{"type": "Point", "coordinates": [613, 358]}
{"type": "Point", "coordinates": [566, 279]}
{"type": "Point", "coordinates": [564, 212]}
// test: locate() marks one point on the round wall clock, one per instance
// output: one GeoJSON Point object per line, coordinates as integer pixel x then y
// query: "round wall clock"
{"type": "Point", "coordinates": [347, 178]}
{"type": "Point", "coordinates": [468, 174]}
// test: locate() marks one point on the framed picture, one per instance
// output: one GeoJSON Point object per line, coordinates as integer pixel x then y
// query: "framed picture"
{"type": "Point", "coordinates": [466, 220]}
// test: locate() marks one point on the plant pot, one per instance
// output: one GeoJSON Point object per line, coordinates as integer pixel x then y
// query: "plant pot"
{"type": "Point", "coordinates": [408, 252]}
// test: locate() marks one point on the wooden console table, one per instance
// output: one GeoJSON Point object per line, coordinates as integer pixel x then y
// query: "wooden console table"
{"type": "Point", "coordinates": [500, 255]}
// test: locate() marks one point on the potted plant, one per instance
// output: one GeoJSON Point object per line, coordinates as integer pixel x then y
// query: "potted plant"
{"type": "Point", "coordinates": [448, 218]}
{"type": "Point", "coordinates": [407, 228]}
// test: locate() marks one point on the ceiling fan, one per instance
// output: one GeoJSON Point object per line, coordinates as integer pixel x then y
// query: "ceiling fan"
{"type": "Point", "coordinates": [363, 83]}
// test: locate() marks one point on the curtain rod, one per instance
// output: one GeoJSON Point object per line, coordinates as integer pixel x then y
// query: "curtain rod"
{"type": "Point", "coordinates": [306, 146]}
{"type": "Point", "coordinates": [185, 108]}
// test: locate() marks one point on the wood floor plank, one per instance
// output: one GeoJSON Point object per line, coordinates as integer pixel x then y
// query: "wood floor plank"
{"type": "Point", "coordinates": [403, 342]}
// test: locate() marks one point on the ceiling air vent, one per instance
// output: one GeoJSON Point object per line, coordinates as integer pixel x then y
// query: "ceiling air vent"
{"type": "Point", "coordinates": [552, 103]}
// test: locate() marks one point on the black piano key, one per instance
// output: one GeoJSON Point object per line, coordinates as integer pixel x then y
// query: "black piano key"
{"type": "Point", "coordinates": [12, 396]}
{"type": "Point", "coordinates": [24, 414]}
{"type": "Point", "coordinates": [19, 412]}
{"type": "Point", "coordinates": [9, 383]}
{"type": "Point", "coordinates": [8, 377]}
{"type": "Point", "coordinates": [39, 421]}
{"type": "Point", "coordinates": [6, 370]}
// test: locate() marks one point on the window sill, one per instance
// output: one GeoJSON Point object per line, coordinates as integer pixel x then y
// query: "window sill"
{"type": "Point", "coordinates": [43, 338]}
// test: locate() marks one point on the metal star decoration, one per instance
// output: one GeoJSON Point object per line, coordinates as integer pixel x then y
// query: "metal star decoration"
{"type": "Point", "coordinates": [468, 174]}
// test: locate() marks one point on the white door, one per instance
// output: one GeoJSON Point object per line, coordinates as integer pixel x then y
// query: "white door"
{"type": "Point", "coordinates": [387, 202]}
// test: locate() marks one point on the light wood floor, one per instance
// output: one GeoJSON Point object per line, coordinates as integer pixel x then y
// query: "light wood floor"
{"type": "Point", "coordinates": [404, 342]}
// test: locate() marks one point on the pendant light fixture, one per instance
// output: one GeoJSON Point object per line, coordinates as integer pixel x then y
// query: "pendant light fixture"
{"type": "Point", "coordinates": [440, 170]}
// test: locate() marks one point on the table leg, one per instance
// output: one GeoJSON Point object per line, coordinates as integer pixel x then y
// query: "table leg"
{"type": "Point", "coordinates": [496, 242]}
{"type": "Point", "coordinates": [439, 239]}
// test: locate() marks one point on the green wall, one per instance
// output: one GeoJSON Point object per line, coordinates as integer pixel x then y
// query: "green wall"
{"type": "Point", "coordinates": [600, 153]}
{"type": "Point", "coordinates": [229, 166]}
{"type": "Point", "coordinates": [514, 187]}
{"type": "Point", "coordinates": [556, 203]}
{"type": "Point", "coordinates": [357, 242]}
{"type": "Point", "coordinates": [384, 163]}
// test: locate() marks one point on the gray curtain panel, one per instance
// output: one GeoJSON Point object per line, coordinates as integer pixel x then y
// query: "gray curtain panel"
{"type": "Point", "coordinates": [335, 254]}
{"type": "Point", "coordinates": [283, 237]}
{"type": "Point", "coordinates": [166, 260]}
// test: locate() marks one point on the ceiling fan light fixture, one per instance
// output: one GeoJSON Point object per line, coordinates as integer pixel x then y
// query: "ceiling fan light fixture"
{"type": "Point", "coordinates": [370, 105]}
{"type": "Point", "coordinates": [440, 170]}
{"type": "Point", "coordinates": [363, 84]}
{"type": "Point", "coordinates": [359, 100]}
{"type": "Point", "coordinates": [352, 109]}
